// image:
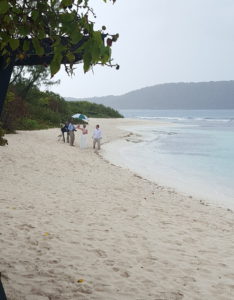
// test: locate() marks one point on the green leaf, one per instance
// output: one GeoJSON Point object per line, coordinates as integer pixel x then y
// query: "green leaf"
{"type": "Point", "coordinates": [57, 41]}
{"type": "Point", "coordinates": [95, 53]}
{"type": "Point", "coordinates": [96, 46]}
{"type": "Point", "coordinates": [14, 44]}
{"type": "Point", "coordinates": [106, 54]}
{"type": "Point", "coordinates": [67, 17]}
{"type": "Point", "coordinates": [3, 45]}
{"type": "Point", "coordinates": [54, 68]}
{"type": "Point", "coordinates": [87, 60]}
{"type": "Point", "coordinates": [36, 44]}
{"type": "Point", "coordinates": [53, 2]}
{"type": "Point", "coordinates": [35, 15]}
{"type": "Point", "coordinates": [76, 36]}
{"type": "Point", "coordinates": [8, 60]}
{"type": "Point", "coordinates": [16, 10]}
{"type": "Point", "coordinates": [4, 37]}
{"type": "Point", "coordinates": [4, 52]}
{"type": "Point", "coordinates": [41, 34]}
{"type": "Point", "coordinates": [55, 64]}
{"type": "Point", "coordinates": [66, 3]}
{"type": "Point", "coordinates": [26, 46]}
{"type": "Point", "coordinates": [4, 6]}
{"type": "Point", "coordinates": [71, 57]}
{"type": "Point", "coordinates": [23, 30]}
{"type": "Point", "coordinates": [7, 19]}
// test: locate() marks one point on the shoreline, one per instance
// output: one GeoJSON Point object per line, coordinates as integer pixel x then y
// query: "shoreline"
{"type": "Point", "coordinates": [190, 186]}
{"type": "Point", "coordinates": [74, 226]}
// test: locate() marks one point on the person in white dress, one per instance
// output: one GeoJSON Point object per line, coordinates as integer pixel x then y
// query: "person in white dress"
{"type": "Point", "coordinates": [83, 137]}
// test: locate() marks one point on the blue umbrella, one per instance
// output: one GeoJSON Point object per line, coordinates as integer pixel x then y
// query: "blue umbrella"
{"type": "Point", "coordinates": [81, 117]}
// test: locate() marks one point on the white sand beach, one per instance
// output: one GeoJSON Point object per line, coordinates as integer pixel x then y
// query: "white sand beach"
{"type": "Point", "coordinates": [75, 226]}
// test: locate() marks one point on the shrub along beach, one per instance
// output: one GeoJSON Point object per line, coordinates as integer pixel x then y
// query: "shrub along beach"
{"type": "Point", "coordinates": [28, 108]}
{"type": "Point", "coordinates": [33, 109]}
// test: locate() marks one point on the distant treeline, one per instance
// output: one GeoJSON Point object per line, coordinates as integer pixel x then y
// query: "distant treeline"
{"type": "Point", "coordinates": [29, 108]}
{"type": "Point", "coordinates": [93, 110]}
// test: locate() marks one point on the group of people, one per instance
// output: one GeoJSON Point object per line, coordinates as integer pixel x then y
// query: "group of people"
{"type": "Point", "coordinates": [70, 129]}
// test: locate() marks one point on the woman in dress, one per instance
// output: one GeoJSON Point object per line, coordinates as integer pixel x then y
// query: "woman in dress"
{"type": "Point", "coordinates": [83, 137]}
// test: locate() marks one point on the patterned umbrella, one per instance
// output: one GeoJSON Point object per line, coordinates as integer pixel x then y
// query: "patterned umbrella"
{"type": "Point", "coordinates": [81, 117]}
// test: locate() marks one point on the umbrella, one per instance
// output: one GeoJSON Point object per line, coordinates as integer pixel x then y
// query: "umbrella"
{"type": "Point", "coordinates": [81, 117]}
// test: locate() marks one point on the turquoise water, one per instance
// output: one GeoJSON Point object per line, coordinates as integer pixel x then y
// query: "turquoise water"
{"type": "Point", "coordinates": [193, 152]}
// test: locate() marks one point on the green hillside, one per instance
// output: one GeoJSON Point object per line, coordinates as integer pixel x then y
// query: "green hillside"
{"type": "Point", "coordinates": [40, 110]}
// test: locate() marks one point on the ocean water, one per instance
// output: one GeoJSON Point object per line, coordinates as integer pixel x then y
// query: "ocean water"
{"type": "Point", "coordinates": [191, 151]}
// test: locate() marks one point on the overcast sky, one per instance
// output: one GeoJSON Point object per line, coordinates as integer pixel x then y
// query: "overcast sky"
{"type": "Point", "coordinates": [161, 41]}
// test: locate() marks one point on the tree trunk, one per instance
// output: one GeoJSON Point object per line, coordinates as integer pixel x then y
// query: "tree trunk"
{"type": "Point", "coordinates": [5, 76]}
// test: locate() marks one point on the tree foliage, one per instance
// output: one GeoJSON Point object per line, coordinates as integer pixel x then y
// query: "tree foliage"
{"type": "Point", "coordinates": [92, 110]}
{"type": "Point", "coordinates": [26, 24]}
{"type": "Point", "coordinates": [26, 77]}
{"type": "Point", "coordinates": [41, 110]}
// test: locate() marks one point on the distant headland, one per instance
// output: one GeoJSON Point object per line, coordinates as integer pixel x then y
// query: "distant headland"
{"type": "Point", "coordinates": [200, 95]}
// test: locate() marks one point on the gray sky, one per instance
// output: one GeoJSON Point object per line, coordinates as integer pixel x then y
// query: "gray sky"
{"type": "Point", "coordinates": [160, 41]}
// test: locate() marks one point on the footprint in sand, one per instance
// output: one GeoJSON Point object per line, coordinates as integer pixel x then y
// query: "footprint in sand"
{"type": "Point", "coordinates": [125, 274]}
{"type": "Point", "coordinates": [101, 253]}
{"type": "Point", "coordinates": [109, 262]}
{"type": "Point", "coordinates": [26, 227]}
{"type": "Point", "coordinates": [36, 297]}
{"type": "Point", "coordinates": [169, 296]}
{"type": "Point", "coordinates": [115, 269]}
{"type": "Point", "coordinates": [85, 289]}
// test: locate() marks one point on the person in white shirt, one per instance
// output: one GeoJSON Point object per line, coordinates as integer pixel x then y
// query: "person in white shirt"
{"type": "Point", "coordinates": [97, 135]}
